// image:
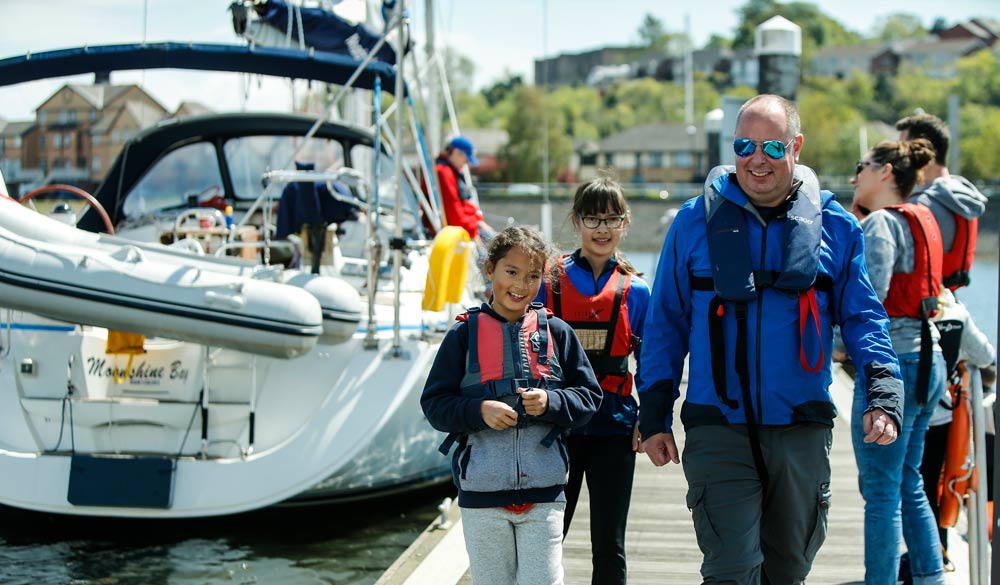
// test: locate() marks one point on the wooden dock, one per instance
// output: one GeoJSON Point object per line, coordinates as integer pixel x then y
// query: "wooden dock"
{"type": "Point", "coordinates": [660, 543]}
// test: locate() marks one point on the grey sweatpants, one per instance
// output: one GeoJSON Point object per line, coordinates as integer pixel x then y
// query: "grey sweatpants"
{"type": "Point", "coordinates": [515, 549]}
{"type": "Point", "coordinates": [746, 538]}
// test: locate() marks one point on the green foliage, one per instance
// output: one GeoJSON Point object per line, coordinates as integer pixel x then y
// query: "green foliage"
{"type": "Point", "coordinates": [832, 110]}
{"type": "Point", "coordinates": [652, 33]}
{"type": "Point", "coordinates": [461, 71]}
{"type": "Point", "coordinates": [979, 156]}
{"type": "Point", "coordinates": [978, 79]}
{"type": "Point", "coordinates": [913, 89]}
{"type": "Point", "coordinates": [818, 29]}
{"type": "Point", "coordinates": [830, 126]}
{"type": "Point", "coordinates": [523, 153]}
{"type": "Point", "coordinates": [497, 92]}
{"type": "Point", "coordinates": [898, 26]}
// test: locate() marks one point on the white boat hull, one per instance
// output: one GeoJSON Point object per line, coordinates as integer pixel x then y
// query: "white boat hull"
{"type": "Point", "coordinates": [197, 425]}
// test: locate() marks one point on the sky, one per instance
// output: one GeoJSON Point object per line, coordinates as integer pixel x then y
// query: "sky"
{"type": "Point", "coordinates": [499, 36]}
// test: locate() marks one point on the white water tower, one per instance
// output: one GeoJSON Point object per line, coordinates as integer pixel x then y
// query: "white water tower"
{"type": "Point", "coordinates": [778, 46]}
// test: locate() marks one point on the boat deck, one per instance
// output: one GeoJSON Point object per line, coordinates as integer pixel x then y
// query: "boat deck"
{"type": "Point", "coordinates": [661, 545]}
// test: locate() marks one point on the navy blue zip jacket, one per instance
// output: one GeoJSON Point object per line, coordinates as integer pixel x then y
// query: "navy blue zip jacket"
{"type": "Point", "coordinates": [498, 468]}
{"type": "Point", "coordinates": [783, 392]}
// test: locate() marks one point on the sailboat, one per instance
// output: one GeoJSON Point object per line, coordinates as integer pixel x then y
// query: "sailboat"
{"type": "Point", "coordinates": [171, 356]}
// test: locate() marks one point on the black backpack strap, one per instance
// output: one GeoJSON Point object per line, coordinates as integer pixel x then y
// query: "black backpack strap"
{"type": "Point", "coordinates": [743, 372]}
{"type": "Point", "coordinates": [543, 333]}
{"type": "Point", "coordinates": [717, 342]}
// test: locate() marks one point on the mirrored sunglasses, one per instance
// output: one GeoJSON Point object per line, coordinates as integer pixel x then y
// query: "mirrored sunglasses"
{"type": "Point", "coordinates": [744, 147]}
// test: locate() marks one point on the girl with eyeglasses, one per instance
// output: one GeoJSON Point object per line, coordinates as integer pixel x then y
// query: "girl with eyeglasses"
{"type": "Point", "coordinates": [604, 299]}
{"type": "Point", "coordinates": [903, 252]}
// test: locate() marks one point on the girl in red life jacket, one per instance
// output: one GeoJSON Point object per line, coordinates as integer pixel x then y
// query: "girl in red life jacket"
{"type": "Point", "coordinates": [507, 383]}
{"type": "Point", "coordinates": [903, 254]}
{"type": "Point", "coordinates": [601, 295]}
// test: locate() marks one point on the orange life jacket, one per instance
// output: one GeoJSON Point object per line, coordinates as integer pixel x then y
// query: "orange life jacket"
{"type": "Point", "coordinates": [915, 294]}
{"type": "Point", "coordinates": [909, 293]}
{"type": "Point", "coordinates": [601, 323]}
{"type": "Point", "coordinates": [957, 261]}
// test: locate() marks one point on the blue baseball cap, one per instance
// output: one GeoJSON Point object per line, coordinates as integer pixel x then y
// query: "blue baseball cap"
{"type": "Point", "coordinates": [462, 143]}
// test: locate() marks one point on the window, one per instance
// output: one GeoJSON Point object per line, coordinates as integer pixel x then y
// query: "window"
{"type": "Point", "coordinates": [655, 160]}
{"type": "Point", "coordinates": [63, 116]}
{"type": "Point", "coordinates": [41, 117]}
{"type": "Point", "coordinates": [609, 159]}
{"type": "Point", "coordinates": [93, 115]}
{"type": "Point", "coordinates": [68, 140]}
{"type": "Point", "coordinates": [41, 141]}
{"type": "Point", "coordinates": [72, 116]}
{"type": "Point", "coordinates": [17, 142]}
{"type": "Point", "coordinates": [57, 140]}
{"type": "Point", "coordinates": [116, 136]}
{"type": "Point", "coordinates": [95, 164]}
{"type": "Point", "coordinates": [95, 139]}
{"type": "Point", "coordinates": [249, 157]}
{"type": "Point", "coordinates": [683, 160]}
{"type": "Point", "coordinates": [188, 170]}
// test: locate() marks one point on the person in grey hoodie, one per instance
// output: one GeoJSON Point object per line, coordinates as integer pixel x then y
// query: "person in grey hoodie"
{"type": "Point", "coordinates": [955, 202]}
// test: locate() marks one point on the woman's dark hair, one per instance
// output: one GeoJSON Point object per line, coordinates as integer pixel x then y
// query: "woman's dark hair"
{"type": "Point", "coordinates": [603, 195]}
{"type": "Point", "coordinates": [907, 157]}
{"type": "Point", "coordinates": [527, 238]}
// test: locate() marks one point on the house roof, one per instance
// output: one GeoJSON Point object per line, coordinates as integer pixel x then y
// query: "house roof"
{"type": "Point", "coordinates": [99, 95]}
{"type": "Point", "coordinates": [144, 114]}
{"type": "Point", "coordinates": [655, 138]}
{"type": "Point", "coordinates": [16, 128]}
{"type": "Point", "coordinates": [952, 46]}
{"type": "Point", "coordinates": [191, 108]}
{"type": "Point", "coordinates": [488, 141]}
{"type": "Point", "coordinates": [849, 51]}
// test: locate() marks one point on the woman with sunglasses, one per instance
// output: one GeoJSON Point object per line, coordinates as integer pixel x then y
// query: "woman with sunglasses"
{"type": "Point", "coordinates": [903, 253]}
{"type": "Point", "coordinates": [601, 295]}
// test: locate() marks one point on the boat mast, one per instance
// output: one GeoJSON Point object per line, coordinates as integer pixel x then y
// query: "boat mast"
{"type": "Point", "coordinates": [396, 245]}
{"type": "Point", "coordinates": [433, 104]}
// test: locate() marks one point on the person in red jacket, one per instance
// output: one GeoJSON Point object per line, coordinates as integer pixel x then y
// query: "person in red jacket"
{"type": "Point", "coordinates": [456, 198]}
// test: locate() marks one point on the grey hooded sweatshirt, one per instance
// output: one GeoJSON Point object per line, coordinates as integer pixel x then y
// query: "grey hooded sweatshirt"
{"type": "Point", "coordinates": [954, 195]}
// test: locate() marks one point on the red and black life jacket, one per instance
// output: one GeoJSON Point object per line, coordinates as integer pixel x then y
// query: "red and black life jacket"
{"type": "Point", "coordinates": [492, 367]}
{"type": "Point", "coordinates": [915, 295]}
{"type": "Point", "coordinates": [494, 370]}
{"type": "Point", "coordinates": [601, 323]}
{"type": "Point", "coordinates": [957, 261]}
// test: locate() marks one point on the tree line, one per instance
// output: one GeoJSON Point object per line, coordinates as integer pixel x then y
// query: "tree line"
{"type": "Point", "coordinates": [832, 110]}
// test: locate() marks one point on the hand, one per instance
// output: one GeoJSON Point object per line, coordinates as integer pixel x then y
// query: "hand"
{"type": "Point", "coordinates": [879, 427]}
{"type": "Point", "coordinates": [661, 449]}
{"type": "Point", "coordinates": [497, 415]}
{"type": "Point", "coordinates": [839, 356]}
{"type": "Point", "coordinates": [535, 400]}
{"type": "Point", "coordinates": [637, 439]}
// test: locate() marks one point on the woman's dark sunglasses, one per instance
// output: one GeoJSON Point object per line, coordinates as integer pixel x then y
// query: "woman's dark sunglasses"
{"type": "Point", "coordinates": [744, 147]}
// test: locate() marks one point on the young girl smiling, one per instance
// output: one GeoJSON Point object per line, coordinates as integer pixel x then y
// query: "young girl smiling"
{"type": "Point", "coordinates": [507, 382]}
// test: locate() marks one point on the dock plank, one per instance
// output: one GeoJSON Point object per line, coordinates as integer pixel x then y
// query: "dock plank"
{"type": "Point", "coordinates": [660, 543]}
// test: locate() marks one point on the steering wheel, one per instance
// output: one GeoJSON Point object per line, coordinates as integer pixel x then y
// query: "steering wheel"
{"type": "Point", "coordinates": [58, 187]}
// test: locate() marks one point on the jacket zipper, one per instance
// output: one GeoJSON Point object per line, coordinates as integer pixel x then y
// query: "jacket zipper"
{"type": "Point", "coordinates": [517, 349]}
{"type": "Point", "coordinates": [760, 311]}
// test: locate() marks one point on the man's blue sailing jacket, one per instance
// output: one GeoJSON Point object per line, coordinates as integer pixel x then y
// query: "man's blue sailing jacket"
{"type": "Point", "coordinates": [778, 346]}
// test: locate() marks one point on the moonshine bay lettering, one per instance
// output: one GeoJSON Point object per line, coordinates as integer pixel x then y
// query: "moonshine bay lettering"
{"type": "Point", "coordinates": [143, 373]}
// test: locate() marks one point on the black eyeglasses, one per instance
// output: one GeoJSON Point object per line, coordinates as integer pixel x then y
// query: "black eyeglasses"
{"type": "Point", "coordinates": [591, 222]}
{"type": "Point", "coordinates": [865, 163]}
{"type": "Point", "coordinates": [744, 147]}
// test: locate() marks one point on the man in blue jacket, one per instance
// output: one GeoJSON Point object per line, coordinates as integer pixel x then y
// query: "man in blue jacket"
{"type": "Point", "coordinates": [752, 278]}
